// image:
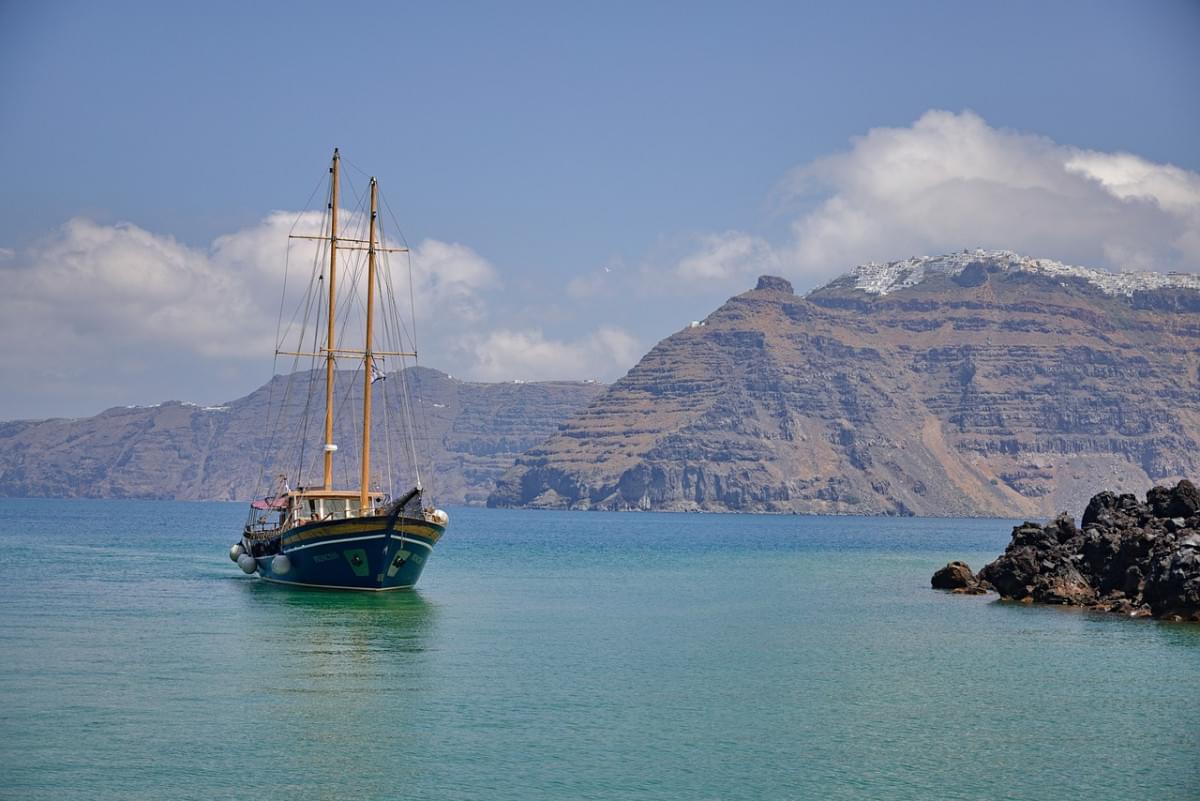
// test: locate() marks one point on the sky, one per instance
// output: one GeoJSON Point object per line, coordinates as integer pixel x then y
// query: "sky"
{"type": "Point", "coordinates": [577, 181]}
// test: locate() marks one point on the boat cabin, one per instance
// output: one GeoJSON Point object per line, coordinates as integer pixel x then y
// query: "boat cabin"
{"type": "Point", "coordinates": [302, 506]}
{"type": "Point", "coordinates": [309, 505]}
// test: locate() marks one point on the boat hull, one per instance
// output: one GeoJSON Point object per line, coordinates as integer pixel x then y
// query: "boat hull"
{"type": "Point", "coordinates": [356, 554]}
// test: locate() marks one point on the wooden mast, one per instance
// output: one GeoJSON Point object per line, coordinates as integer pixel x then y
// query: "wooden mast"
{"type": "Point", "coordinates": [368, 359]}
{"type": "Point", "coordinates": [329, 357]}
{"type": "Point", "coordinates": [329, 349]}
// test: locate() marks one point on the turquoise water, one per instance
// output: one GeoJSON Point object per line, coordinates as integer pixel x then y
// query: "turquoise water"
{"type": "Point", "coordinates": [571, 656]}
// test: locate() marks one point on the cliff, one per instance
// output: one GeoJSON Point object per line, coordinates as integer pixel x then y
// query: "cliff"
{"type": "Point", "coordinates": [971, 384]}
{"type": "Point", "coordinates": [471, 432]}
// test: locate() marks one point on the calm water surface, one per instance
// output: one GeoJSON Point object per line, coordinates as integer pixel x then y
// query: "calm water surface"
{"type": "Point", "coordinates": [571, 656]}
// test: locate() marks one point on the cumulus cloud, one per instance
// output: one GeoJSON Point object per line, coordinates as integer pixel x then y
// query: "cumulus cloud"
{"type": "Point", "coordinates": [122, 314]}
{"type": "Point", "coordinates": [728, 255]}
{"type": "Point", "coordinates": [93, 286]}
{"type": "Point", "coordinates": [528, 355]}
{"type": "Point", "coordinates": [450, 279]}
{"type": "Point", "coordinates": [950, 181]}
{"type": "Point", "coordinates": [1131, 177]}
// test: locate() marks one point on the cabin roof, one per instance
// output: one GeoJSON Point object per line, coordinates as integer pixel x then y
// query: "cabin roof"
{"type": "Point", "coordinates": [331, 494]}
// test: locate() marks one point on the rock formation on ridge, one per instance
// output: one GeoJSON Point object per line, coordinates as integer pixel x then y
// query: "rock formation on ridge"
{"type": "Point", "coordinates": [980, 383]}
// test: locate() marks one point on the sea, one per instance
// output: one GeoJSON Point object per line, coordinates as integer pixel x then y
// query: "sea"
{"type": "Point", "coordinates": [559, 655]}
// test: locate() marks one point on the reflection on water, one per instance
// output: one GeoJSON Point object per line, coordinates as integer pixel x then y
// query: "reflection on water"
{"type": "Point", "coordinates": [346, 623]}
{"type": "Point", "coordinates": [1052, 623]}
{"type": "Point", "coordinates": [330, 656]}
{"type": "Point", "coordinates": [1180, 635]}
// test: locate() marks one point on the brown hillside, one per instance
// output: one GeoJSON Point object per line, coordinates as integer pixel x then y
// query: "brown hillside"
{"type": "Point", "coordinates": [990, 386]}
{"type": "Point", "coordinates": [471, 433]}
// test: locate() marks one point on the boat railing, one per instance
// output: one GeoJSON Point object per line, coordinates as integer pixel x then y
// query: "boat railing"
{"type": "Point", "coordinates": [261, 531]}
{"type": "Point", "coordinates": [263, 525]}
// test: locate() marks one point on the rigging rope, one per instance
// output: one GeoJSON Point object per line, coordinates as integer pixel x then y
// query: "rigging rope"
{"type": "Point", "coordinates": [273, 427]}
{"type": "Point", "coordinates": [309, 315]}
{"type": "Point", "coordinates": [410, 408]}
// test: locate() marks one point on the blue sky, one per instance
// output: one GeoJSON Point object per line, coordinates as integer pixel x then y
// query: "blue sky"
{"type": "Point", "coordinates": [587, 177]}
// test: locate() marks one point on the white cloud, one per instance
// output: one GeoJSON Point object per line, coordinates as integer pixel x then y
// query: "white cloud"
{"type": "Point", "coordinates": [1131, 177]}
{"type": "Point", "coordinates": [119, 314]}
{"type": "Point", "coordinates": [951, 181]}
{"type": "Point", "coordinates": [94, 288]}
{"type": "Point", "coordinates": [449, 279]}
{"type": "Point", "coordinates": [507, 354]}
{"type": "Point", "coordinates": [726, 256]}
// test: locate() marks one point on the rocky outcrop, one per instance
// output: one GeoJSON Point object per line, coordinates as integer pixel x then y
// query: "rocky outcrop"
{"type": "Point", "coordinates": [1140, 559]}
{"type": "Point", "coordinates": [470, 433]}
{"type": "Point", "coordinates": [957, 577]}
{"type": "Point", "coordinates": [974, 384]}
{"type": "Point", "coordinates": [774, 283]}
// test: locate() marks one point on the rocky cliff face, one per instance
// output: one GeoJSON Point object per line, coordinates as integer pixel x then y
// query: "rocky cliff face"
{"type": "Point", "coordinates": [974, 384]}
{"type": "Point", "coordinates": [470, 434]}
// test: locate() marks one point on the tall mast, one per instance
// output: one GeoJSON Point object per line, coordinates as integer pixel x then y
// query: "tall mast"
{"type": "Point", "coordinates": [368, 362]}
{"type": "Point", "coordinates": [333, 211]}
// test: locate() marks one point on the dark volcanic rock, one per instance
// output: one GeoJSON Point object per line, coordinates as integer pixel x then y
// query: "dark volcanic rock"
{"type": "Point", "coordinates": [1099, 509]}
{"type": "Point", "coordinates": [1184, 501]}
{"type": "Point", "coordinates": [1131, 558]}
{"type": "Point", "coordinates": [957, 577]}
{"type": "Point", "coordinates": [953, 576]}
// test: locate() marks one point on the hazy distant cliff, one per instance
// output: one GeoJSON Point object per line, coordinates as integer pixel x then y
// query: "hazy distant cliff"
{"type": "Point", "coordinates": [472, 432]}
{"type": "Point", "coordinates": [976, 383]}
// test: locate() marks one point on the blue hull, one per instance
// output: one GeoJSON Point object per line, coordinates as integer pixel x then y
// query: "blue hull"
{"type": "Point", "coordinates": [356, 554]}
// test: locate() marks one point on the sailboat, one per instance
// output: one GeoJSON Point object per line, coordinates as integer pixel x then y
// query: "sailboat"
{"type": "Point", "coordinates": [348, 537]}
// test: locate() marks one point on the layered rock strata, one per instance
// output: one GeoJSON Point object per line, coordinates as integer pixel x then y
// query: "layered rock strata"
{"type": "Point", "coordinates": [974, 384]}
{"type": "Point", "coordinates": [469, 434]}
